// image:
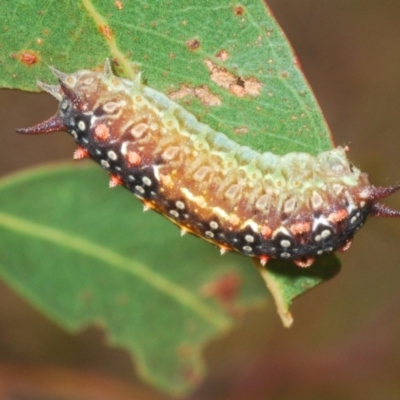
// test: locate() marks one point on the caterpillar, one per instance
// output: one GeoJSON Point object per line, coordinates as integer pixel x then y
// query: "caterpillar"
{"type": "Point", "coordinates": [296, 206]}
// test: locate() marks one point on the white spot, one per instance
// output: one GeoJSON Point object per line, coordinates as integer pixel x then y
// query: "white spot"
{"type": "Point", "coordinates": [174, 213]}
{"type": "Point", "coordinates": [247, 248]}
{"type": "Point", "coordinates": [285, 255]}
{"type": "Point", "coordinates": [201, 173]}
{"type": "Point", "coordinates": [118, 168]}
{"type": "Point", "coordinates": [353, 220]}
{"type": "Point", "coordinates": [110, 107]}
{"type": "Point", "coordinates": [365, 193]}
{"type": "Point", "coordinates": [131, 178]}
{"type": "Point", "coordinates": [337, 188]}
{"type": "Point", "coordinates": [290, 205]}
{"type": "Point", "coordinates": [281, 229]}
{"type": "Point", "coordinates": [213, 225]}
{"type": "Point", "coordinates": [139, 189]}
{"type": "Point", "coordinates": [362, 203]}
{"type": "Point", "coordinates": [209, 234]}
{"type": "Point", "coordinates": [146, 181]}
{"type": "Point", "coordinates": [350, 200]}
{"type": "Point", "coordinates": [88, 81]}
{"type": "Point", "coordinates": [318, 238]}
{"type": "Point", "coordinates": [262, 202]}
{"type": "Point", "coordinates": [253, 225]}
{"type": "Point", "coordinates": [170, 153]}
{"type": "Point", "coordinates": [64, 104]}
{"type": "Point", "coordinates": [180, 204]}
{"type": "Point", "coordinates": [319, 252]}
{"type": "Point", "coordinates": [138, 130]}
{"type": "Point", "coordinates": [98, 152]}
{"type": "Point", "coordinates": [85, 140]}
{"type": "Point", "coordinates": [285, 243]}
{"type": "Point", "coordinates": [112, 155]}
{"type": "Point", "coordinates": [321, 220]}
{"type": "Point", "coordinates": [232, 192]}
{"type": "Point", "coordinates": [325, 233]}
{"type": "Point", "coordinates": [156, 170]}
{"type": "Point", "coordinates": [316, 200]}
{"type": "Point", "coordinates": [222, 213]}
{"type": "Point", "coordinates": [74, 134]}
{"type": "Point", "coordinates": [249, 238]}
{"type": "Point", "coordinates": [198, 200]}
{"type": "Point", "coordinates": [105, 164]}
{"type": "Point", "coordinates": [81, 125]}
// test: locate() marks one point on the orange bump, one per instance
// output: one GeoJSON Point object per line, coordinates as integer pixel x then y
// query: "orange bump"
{"type": "Point", "coordinates": [264, 260]}
{"type": "Point", "coordinates": [234, 219]}
{"type": "Point", "coordinates": [114, 181]}
{"type": "Point", "coordinates": [102, 132]}
{"type": "Point", "coordinates": [266, 231]}
{"type": "Point", "coordinates": [300, 227]}
{"type": "Point", "coordinates": [133, 158]}
{"type": "Point", "coordinates": [80, 153]}
{"type": "Point", "coordinates": [304, 263]}
{"type": "Point", "coordinates": [338, 216]}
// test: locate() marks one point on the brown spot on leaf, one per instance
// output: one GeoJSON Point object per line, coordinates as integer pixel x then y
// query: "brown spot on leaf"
{"type": "Point", "coordinates": [225, 288]}
{"type": "Point", "coordinates": [185, 350]}
{"type": "Point", "coordinates": [86, 296]}
{"type": "Point", "coordinates": [222, 55]}
{"type": "Point", "coordinates": [241, 130]}
{"type": "Point", "coordinates": [203, 93]}
{"type": "Point", "coordinates": [193, 44]}
{"type": "Point", "coordinates": [190, 375]}
{"type": "Point", "coordinates": [106, 31]}
{"type": "Point", "coordinates": [237, 85]}
{"type": "Point", "coordinates": [119, 5]}
{"type": "Point", "coordinates": [28, 57]}
{"type": "Point", "coordinates": [239, 10]}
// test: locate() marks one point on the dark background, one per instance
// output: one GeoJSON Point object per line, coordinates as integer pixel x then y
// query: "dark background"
{"type": "Point", "coordinates": [345, 341]}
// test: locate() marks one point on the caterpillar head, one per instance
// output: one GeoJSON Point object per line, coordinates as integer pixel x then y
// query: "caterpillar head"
{"type": "Point", "coordinates": [85, 104]}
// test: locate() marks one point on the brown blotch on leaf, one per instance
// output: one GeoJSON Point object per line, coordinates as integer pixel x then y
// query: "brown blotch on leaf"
{"type": "Point", "coordinates": [193, 44]}
{"type": "Point", "coordinates": [237, 85]}
{"type": "Point", "coordinates": [106, 31]}
{"type": "Point", "coordinates": [239, 10]}
{"type": "Point", "coordinates": [203, 93]}
{"type": "Point", "coordinates": [222, 55]}
{"type": "Point", "coordinates": [241, 130]}
{"type": "Point", "coordinates": [28, 57]}
{"type": "Point", "coordinates": [225, 288]}
{"type": "Point", "coordinates": [119, 5]}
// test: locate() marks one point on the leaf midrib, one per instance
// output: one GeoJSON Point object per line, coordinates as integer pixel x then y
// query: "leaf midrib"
{"type": "Point", "coordinates": [85, 247]}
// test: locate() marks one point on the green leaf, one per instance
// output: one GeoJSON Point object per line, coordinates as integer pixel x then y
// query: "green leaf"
{"type": "Point", "coordinates": [85, 255]}
{"type": "Point", "coordinates": [286, 281]}
{"type": "Point", "coordinates": [156, 36]}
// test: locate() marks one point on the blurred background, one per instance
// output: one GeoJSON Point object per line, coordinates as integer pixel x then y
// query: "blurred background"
{"type": "Point", "coordinates": [345, 341]}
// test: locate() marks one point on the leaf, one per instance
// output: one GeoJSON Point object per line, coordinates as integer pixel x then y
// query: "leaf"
{"type": "Point", "coordinates": [89, 256]}
{"type": "Point", "coordinates": [157, 37]}
{"type": "Point", "coordinates": [85, 254]}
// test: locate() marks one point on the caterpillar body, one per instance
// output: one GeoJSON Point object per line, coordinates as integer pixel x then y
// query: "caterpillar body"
{"type": "Point", "coordinates": [296, 206]}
